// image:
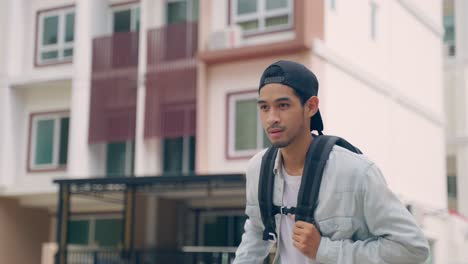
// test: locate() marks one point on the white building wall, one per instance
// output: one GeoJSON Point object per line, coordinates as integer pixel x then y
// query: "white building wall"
{"type": "Point", "coordinates": [459, 83]}
{"type": "Point", "coordinates": [224, 79]}
{"type": "Point", "coordinates": [391, 88]}
{"type": "Point", "coordinates": [38, 99]}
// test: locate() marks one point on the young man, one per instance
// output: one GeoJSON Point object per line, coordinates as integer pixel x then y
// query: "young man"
{"type": "Point", "coordinates": [358, 219]}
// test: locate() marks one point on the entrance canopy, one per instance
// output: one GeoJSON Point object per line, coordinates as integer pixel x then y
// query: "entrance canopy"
{"type": "Point", "coordinates": [120, 192]}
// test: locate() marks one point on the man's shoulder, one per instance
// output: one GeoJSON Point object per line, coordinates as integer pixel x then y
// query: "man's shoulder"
{"type": "Point", "coordinates": [343, 154]}
{"type": "Point", "coordinates": [345, 162]}
{"type": "Point", "coordinates": [256, 160]}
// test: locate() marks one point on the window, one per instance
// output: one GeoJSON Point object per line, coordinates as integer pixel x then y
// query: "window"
{"type": "Point", "coordinates": [56, 35]}
{"type": "Point", "coordinates": [246, 134]}
{"type": "Point", "coordinates": [449, 26]}
{"type": "Point", "coordinates": [452, 181]}
{"type": "Point", "coordinates": [120, 159]}
{"type": "Point", "coordinates": [221, 228]}
{"type": "Point", "coordinates": [333, 4]}
{"type": "Point", "coordinates": [179, 155]}
{"type": "Point", "coordinates": [125, 19]}
{"type": "Point", "coordinates": [102, 231]}
{"type": "Point", "coordinates": [49, 141]}
{"type": "Point", "coordinates": [181, 11]}
{"type": "Point", "coordinates": [452, 186]}
{"type": "Point", "coordinates": [373, 20]}
{"type": "Point", "coordinates": [256, 16]}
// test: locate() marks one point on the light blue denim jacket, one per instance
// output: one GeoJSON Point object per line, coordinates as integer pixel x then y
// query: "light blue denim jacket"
{"type": "Point", "coordinates": [360, 219]}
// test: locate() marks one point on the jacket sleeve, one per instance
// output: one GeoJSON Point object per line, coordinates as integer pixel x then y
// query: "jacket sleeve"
{"type": "Point", "coordinates": [252, 249]}
{"type": "Point", "coordinates": [396, 238]}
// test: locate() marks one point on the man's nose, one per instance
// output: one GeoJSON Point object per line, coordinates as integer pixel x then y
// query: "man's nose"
{"type": "Point", "coordinates": [272, 117]}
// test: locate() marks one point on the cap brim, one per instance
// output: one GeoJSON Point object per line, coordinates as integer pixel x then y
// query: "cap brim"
{"type": "Point", "coordinates": [316, 122]}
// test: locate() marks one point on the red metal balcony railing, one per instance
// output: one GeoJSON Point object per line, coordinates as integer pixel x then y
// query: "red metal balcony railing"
{"type": "Point", "coordinates": [118, 51]}
{"type": "Point", "coordinates": [114, 88]}
{"type": "Point", "coordinates": [172, 42]}
{"type": "Point", "coordinates": [171, 81]}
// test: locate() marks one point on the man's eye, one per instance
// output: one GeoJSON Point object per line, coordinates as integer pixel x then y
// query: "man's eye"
{"type": "Point", "coordinates": [263, 107]}
{"type": "Point", "coordinates": [284, 105]}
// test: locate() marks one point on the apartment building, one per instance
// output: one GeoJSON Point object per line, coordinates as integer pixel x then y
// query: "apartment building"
{"type": "Point", "coordinates": [145, 113]}
{"type": "Point", "coordinates": [455, 90]}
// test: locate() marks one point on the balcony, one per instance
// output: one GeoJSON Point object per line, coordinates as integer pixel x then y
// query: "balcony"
{"type": "Point", "coordinates": [171, 81]}
{"type": "Point", "coordinates": [114, 87]}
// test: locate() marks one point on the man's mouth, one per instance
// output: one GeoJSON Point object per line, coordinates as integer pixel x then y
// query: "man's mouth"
{"type": "Point", "coordinates": [275, 132]}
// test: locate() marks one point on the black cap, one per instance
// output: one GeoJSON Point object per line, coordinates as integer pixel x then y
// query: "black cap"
{"type": "Point", "coordinates": [299, 78]}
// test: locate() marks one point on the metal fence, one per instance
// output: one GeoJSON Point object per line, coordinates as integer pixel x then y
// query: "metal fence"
{"type": "Point", "coordinates": [194, 255]}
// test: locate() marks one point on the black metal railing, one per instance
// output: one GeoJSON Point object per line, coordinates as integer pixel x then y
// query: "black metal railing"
{"type": "Point", "coordinates": [149, 256]}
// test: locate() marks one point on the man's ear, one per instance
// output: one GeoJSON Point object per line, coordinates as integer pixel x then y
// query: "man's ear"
{"type": "Point", "coordinates": [311, 105]}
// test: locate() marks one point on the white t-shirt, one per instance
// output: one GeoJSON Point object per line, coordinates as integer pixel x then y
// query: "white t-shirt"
{"type": "Point", "coordinates": [289, 253]}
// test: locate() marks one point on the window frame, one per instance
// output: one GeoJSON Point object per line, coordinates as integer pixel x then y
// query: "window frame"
{"type": "Point", "coordinates": [34, 119]}
{"type": "Point", "coordinates": [132, 6]}
{"type": "Point", "coordinates": [262, 15]}
{"type": "Point", "coordinates": [232, 99]}
{"type": "Point", "coordinates": [61, 45]}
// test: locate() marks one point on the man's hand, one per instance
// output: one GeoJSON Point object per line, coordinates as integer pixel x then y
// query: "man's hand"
{"type": "Point", "coordinates": [306, 238]}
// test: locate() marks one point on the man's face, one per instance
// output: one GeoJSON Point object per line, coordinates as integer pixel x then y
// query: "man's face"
{"type": "Point", "coordinates": [282, 114]}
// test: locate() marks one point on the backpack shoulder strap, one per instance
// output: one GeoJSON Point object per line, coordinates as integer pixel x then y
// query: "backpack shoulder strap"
{"type": "Point", "coordinates": [316, 159]}
{"type": "Point", "coordinates": [345, 144]}
{"type": "Point", "coordinates": [265, 193]}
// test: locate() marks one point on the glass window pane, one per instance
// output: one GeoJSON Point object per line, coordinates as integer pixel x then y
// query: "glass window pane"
{"type": "Point", "coordinates": [191, 154]}
{"type": "Point", "coordinates": [249, 25]}
{"type": "Point", "coordinates": [63, 153]}
{"type": "Point", "coordinates": [195, 10]}
{"type": "Point", "coordinates": [68, 52]}
{"type": "Point", "coordinates": [452, 186]}
{"type": "Point", "coordinates": [246, 125]}
{"type": "Point", "coordinates": [276, 4]}
{"type": "Point", "coordinates": [116, 159]}
{"type": "Point", "coordinates": [373, 18]}
{"type": "Point", "coordinates": [173, 148]}
{"type": "Point", "coordinates": [70, 27]}
{"type": "Point", "coordinates": [78, 232]}
{"type": "Point", "coordinates": [108, 232]}
{"type": "Point", "coordinates": [137, 19]}
{"type": "Point", "coordinates": [176, 12]}
{"type": "Point", "coordinates": [239, 222]}
{"type": "Point", "coordinates": [44, 142]}
{"type": "Point", "coordinates": [49, 55]}
{"type": "Point", "coordinates": [50, 30]}
{"type": "Point", "coordinates": [122, 21]}
{"type": "Point", "coordinates": [276, 21]}
{"type": "Point", "coordinates": [246, 6]}
{"type": "Point", "coordinates": [215, 231]}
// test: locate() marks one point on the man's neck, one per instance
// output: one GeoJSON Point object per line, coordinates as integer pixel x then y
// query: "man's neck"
{"type": "Point", "coordinates": [294, 155]}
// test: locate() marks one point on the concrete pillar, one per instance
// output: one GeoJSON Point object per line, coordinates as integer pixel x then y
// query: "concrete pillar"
{"type": "Point", "coordinates": [12, 18]}
{"type": "Point", "coordinates": [90, 21]}
{"type": "Point", "coordinates": [147, 151]}
{"type": "Point", "coordinates": [202, 140]}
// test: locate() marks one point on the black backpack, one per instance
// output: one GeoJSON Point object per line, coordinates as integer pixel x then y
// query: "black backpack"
{"type": "Point", "coordinates": [316, 159]}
